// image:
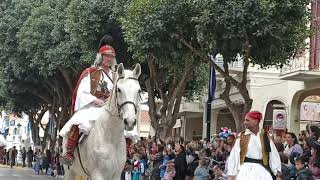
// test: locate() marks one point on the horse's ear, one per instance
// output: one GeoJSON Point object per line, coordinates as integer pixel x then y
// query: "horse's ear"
{"type": "Point", "coordinates": [137, 70]}
{"type": "Point", "coordinates": [120, 70]}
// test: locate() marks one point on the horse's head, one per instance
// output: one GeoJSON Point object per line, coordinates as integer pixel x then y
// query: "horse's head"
{"type": "Point", "coordinates": [127, 90]}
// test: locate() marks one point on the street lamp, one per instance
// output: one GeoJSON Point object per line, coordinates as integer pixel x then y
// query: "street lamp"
{"type": "Point", "coordinates": [211, 90]}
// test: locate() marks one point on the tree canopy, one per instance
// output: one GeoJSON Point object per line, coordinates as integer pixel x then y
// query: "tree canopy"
{"type": "Point", "coordinates": [174, 33]}
{"type": "Point", "coordinates": [46, 43]}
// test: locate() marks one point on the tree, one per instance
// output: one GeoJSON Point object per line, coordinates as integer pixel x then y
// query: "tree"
{"type": "Point", "coordinates": [265, 33]}
{"type": "Point", "coordinates": [150, 28]}
{"type": "Point", "coordinates": [45, 46]}
{"type": "Point", "coordinates": [88, 21]}
{"type": "Point", "coordinates": [173, 37]}
{"type": "Point", "coordinates": [38, 63]}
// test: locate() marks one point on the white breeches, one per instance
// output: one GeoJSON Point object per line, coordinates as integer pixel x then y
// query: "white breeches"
{"type": "Point", "coordinates": [85, 118]}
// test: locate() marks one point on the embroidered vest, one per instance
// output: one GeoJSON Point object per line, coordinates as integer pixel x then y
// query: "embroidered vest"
{"type": "Point", "coordinates": [265, 141]}
{"type": "Point", "coordinates": [99, 87]}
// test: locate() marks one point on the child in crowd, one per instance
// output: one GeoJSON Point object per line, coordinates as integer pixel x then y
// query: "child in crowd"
{"type": "Point", "coordinates": [136, 173]}
{"type": "Point", "coordinates": [170, 171]}
{"type": "Point", "coordinates": [163, 166]}
{"type": "Point", "coordinates": [202, 171]}
{"type": "Point", "coordinates": [303, 172]}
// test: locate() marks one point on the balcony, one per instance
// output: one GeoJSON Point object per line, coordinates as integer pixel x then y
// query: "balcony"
{"type": "Point", "coordinates": [298, 69]}
{"type": "Point", "coordinates": [235, 67]}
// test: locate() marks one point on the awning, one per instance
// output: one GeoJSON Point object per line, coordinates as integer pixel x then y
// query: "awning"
{"type": "Point", "coordinates": [178, 124]}
{"type": "Point", "coordinates": [144, 134]}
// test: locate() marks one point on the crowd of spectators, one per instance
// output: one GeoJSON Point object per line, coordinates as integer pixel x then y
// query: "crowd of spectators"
{"type": "Point", "coordinates": [152, 159]}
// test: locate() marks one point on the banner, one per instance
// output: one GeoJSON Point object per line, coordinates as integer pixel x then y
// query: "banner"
{"type": "Point", "coordinates": [279, 119]}
{"type": "Point", "coordinates": [310, 111]}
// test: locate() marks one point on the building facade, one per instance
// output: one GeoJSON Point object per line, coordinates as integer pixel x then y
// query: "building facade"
{"type": "Point", "coordinates": [16, 130]}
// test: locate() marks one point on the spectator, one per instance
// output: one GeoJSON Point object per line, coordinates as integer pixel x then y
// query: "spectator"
{"type": "Point", "coordinates": [163, 166]}
{"type": "Point", "coordinates": [136, 173]}
{"type": "Point", "coordinates": [313, 134]}
{"type": "Point", "coordinates": [58, 164]}
{"type": "Point", "coordinates": [192, 160]}
{"type": "Point", "coordinates": [170, 171]}
{"type": "Point", "coordinates": [303, 173]}
{"type": "Point", "coordinates": [39, 163]}
{"type": "Point", "coordinates": [292, 150]}
{"type": "Point", "coordinates": [302, 137]}
{"type": "Point", "coordinates": [30, 157]}
{"type": "Point", "coordinates": [157, 161]}
{"type": "Point", "coordinates": [126, 174]}
{"type": "Point", "coordinates": [4, 156]}
{"type": "Point", "coordinates": [24, 156]}
{"type": "Point", "coordinates": [8, 157]}
{"type": "Point", "coordinates": [202, 171]}
{"type": "Point", "coordinates": [180, 162]}
{"type": "Point", "coordinates": [13, 156]}
{"type": "Point", "coordinates": [284, 167]}
{"type": "Point", "coordinates": [47, 160]}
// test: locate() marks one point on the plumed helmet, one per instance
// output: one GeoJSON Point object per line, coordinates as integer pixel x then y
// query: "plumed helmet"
{"type": "Point", "coordinates": [106, 47]}
{"type": "Point", "coordinates": [106, 40]}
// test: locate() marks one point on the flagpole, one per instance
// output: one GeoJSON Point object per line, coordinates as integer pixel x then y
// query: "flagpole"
{"type": "Point", "coordinates": [211, 91]}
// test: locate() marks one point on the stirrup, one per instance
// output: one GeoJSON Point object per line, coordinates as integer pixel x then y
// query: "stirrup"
{"type": "Point", "coordinates": [67, 160]}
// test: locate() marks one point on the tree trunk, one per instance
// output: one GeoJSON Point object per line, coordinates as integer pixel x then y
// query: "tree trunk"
{"type": "Point", "coordinates": [45, 139]}
{"type": "Point", "coordinates": [165, 133]}
{"type": "Point", "coordinates": [170, 94]}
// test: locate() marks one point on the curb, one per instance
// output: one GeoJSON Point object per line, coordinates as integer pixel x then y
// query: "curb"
{"type": "Point", "coordinates": [7, 166]}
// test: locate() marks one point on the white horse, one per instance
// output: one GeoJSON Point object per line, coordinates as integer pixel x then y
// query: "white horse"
{"type": "Point", "coordinates": [103, 152]}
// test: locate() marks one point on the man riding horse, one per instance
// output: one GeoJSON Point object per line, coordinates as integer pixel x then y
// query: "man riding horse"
{"type": "Point", "coordinates": [91, 92]}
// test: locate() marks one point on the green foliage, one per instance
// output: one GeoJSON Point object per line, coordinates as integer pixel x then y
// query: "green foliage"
{"type": "Point", "coordinates": [152, 30]}
{"type": "Point", "coordinates": [88, 21]}
{"type": "Point", "coordinates": [274, 29]}
{"type": "Point", "coordinates": [196, 86]}
{"type": "Point", "coordinates": [47, 42]}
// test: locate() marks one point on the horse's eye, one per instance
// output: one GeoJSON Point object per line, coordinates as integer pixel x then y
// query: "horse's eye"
{"type": "Point", "coordinates": [119, 91]}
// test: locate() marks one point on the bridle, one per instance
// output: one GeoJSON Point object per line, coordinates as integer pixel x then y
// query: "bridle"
{"type": "Point", "coordinates": [119, 106]}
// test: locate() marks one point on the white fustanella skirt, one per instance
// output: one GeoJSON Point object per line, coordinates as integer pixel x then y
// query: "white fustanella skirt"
{"type": "Point", "coordinates": [253, 171]}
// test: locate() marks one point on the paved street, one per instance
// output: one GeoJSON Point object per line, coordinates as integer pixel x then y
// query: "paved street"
{"type": "Point", "coordinates": [20, 173]}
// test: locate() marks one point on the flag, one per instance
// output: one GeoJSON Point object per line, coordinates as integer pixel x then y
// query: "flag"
{"type": "Point", "coordinates": [212, 83]}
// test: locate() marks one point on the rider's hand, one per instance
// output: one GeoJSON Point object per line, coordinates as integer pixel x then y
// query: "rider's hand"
{"type": "Point", "coordinates": [98, 102]}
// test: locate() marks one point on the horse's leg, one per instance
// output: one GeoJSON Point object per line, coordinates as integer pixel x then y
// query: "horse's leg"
{"type": "Point", "coordinates": [116, 176]}
{"type": "Point", "coordinates": [97, 175]}
{"type": "Point", "coordinates": [69, 174]}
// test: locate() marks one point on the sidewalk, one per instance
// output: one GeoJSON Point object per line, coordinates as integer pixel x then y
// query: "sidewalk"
{"type": "Point", "coordinates": [31, 169]}
{"type": "Point", "coordinates": [14, 167]}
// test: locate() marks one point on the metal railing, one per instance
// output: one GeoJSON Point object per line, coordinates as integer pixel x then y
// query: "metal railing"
{"type": "Point", "coordinates": [295, 64]}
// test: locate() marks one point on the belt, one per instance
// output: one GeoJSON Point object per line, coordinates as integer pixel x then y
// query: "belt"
{"type": "Point", "coordinates": [250, 160]}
